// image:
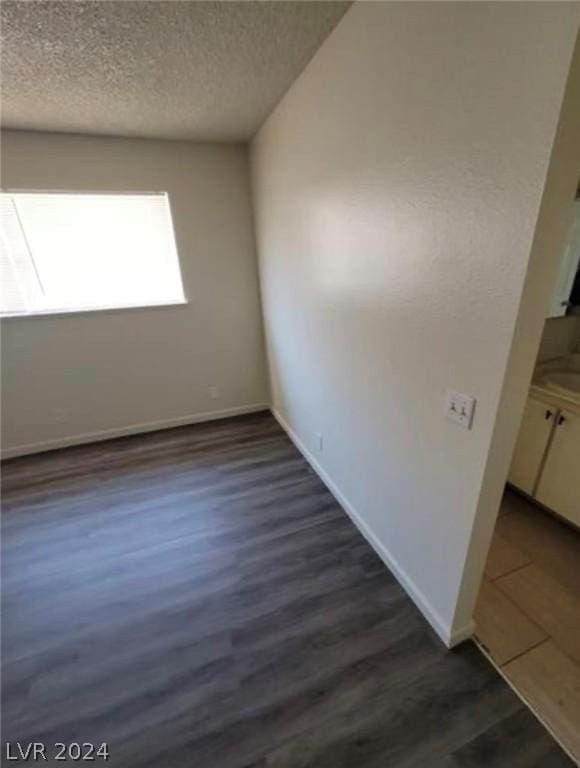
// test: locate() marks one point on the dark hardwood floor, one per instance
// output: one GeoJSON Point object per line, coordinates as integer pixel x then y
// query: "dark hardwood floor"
{"type": "Point", "coordinates": [196, 597]}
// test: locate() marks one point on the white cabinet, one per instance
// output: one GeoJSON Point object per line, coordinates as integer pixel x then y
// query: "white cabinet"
{"type": "Point", "coordinates": [535, 431]}
{"type": "Point", "coordinates": [559, 486]}
{"type": "Point", "coordinates": [568, 268]}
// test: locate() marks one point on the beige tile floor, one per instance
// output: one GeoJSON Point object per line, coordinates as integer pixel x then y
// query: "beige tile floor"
{"type": "Point", "coordinates": [528, 613]}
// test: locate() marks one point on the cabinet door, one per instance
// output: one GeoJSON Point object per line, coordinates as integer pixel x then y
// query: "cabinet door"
{"type": "Point", "coordinates": [568, 268]}
{"type": "Point", "coordinates": [559, 486]}
{"type": "Point", "coordinates": [537, 425]}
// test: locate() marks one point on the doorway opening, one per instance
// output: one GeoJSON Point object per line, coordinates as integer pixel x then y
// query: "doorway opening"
{"type": "Point", "coordinates": [528, 609]}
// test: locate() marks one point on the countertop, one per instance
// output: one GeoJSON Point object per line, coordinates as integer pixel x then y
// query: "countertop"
{"type": "Point", "coordinates": [556, 398]}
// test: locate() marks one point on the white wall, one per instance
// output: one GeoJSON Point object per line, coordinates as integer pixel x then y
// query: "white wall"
{"type": "Point", "coordinates": [68, 377]}
{"type": "Point", "coordinates": [397, 188]}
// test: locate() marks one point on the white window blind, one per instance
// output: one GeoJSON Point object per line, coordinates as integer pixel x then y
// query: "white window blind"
{"type": "Point", "coordinates": [78, 251]}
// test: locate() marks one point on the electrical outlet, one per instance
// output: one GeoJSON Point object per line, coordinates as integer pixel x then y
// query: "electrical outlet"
{"type": "Point", "coordinates": [214, 392]}
{"type": "Point", "coordinates": [319, 442]}
{"type": "Point", "coordinates": [460, 408]}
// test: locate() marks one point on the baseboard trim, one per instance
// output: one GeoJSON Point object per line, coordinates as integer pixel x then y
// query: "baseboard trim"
{"type": "Point", "coordinates": [131, 429]}
{"type": "Point", "coordinates": [462, 634]}
{"type": "Point", "coordinates": [449, 637]}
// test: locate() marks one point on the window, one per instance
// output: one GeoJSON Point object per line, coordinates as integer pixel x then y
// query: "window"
{"type": "Point", "coordinates": [74, 251]}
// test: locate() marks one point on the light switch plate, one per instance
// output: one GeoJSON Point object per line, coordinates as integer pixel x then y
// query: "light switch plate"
{"type": "Point", "coordinates": [460, 408]}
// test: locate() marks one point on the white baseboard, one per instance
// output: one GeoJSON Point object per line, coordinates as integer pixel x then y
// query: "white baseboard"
{"type": "Point", "coordinates": [448, 636]}
{"type": "Point", "coordinates": [131, 429]}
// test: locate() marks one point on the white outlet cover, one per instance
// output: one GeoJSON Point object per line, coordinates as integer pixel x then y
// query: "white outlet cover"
{"type": "Point", "coordinates": [459, 408]}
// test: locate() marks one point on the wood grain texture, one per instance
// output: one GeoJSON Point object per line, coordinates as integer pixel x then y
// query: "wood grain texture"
{"type": "Point", "coordinates": [197, 597]}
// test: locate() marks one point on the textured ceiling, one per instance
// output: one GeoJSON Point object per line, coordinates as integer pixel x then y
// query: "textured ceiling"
{"type": "Point", "coordinates": [167, 69]}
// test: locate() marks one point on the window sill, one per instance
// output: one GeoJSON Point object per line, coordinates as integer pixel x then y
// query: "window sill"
{"type": "Point", "coordinates": [92, 311]}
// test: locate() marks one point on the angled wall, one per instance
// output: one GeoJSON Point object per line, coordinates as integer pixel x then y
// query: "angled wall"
{"type": "Point", "coordinates": [397, 188]}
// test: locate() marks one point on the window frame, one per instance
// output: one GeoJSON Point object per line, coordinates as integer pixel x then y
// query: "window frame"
{"type": "Point", "coordinates": [113, 308]}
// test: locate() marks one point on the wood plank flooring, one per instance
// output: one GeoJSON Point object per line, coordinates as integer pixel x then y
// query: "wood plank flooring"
{"type": "Point", "coordinates": [196, 597]}
{"type": "Point", "coordinates": [528, 613]}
